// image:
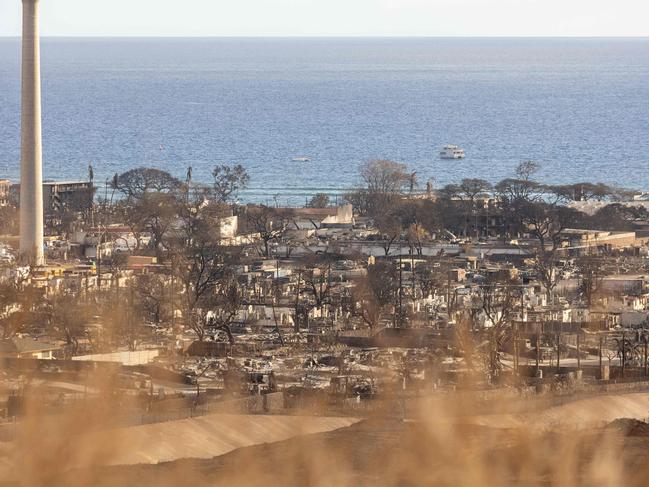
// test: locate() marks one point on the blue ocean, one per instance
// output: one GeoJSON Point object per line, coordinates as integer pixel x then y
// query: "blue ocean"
{"type": "Point", "coordinates": [579, 107]}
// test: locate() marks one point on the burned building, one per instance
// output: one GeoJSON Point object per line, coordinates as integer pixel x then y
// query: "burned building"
{"type": "Point", "coordinates": [60, 196]}
{"type": "Point", "coordinates": [5, 185]}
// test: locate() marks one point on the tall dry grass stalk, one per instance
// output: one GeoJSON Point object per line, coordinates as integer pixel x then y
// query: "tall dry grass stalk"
{"type": "Point", "coordinates": [438, 445]}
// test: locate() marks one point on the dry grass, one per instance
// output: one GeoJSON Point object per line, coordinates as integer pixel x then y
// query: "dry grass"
{"type": "Point", "coordinates": [434, 449]}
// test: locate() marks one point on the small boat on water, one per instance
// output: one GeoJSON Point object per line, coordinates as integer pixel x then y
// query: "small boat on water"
{"type": "Point", "coordinates": [301, 159]}
{"type": "Point", "coordinates": [452, 152]}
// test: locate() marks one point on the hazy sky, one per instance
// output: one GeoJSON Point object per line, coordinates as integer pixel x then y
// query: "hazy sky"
{"type": "Point", "coordinates": [335, 17]}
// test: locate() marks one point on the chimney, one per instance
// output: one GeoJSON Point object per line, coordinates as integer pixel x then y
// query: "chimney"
{"type": "Point", "coordinates": [31, 177]}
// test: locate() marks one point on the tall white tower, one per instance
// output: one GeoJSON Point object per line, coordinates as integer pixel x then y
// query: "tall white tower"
{"type": "Point", "coordinates": [31, 170]}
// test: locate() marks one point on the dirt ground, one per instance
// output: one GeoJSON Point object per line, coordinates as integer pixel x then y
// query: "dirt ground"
{"type": "Point", "coordinates": [584, 442]}
{"type": "Point", "coordinates": [392, 452]}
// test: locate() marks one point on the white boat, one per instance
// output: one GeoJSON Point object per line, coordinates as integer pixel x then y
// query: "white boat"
{"type": "Point", "coordinates": [301, 159]}
{"type": "Point", "coordinates": [451, 152]}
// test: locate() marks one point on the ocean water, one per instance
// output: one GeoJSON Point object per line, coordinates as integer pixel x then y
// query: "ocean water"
{"type": "Point", "coordinates": [579, 107]}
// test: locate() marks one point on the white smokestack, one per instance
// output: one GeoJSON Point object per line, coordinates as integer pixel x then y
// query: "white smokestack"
{"type": "Point", "coordinates": [31, 171]}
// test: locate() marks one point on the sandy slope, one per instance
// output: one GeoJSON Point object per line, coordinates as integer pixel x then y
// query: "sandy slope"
{"type": "Point", "coordinates": [202, 437]}
{"type": "Point", "coordinates": [215, 435]}
{"type": "Point", "coordinates": [584, 413]}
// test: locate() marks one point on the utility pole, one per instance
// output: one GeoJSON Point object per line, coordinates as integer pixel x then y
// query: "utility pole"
{"type": "Point", "coordinates": [400, 321]}
{"type": "Point", "coordinates": [601, 340]}
{"type": "Point", "coordinates": [515, 347]}
{"type": "Point", "coordinates": [623, 352]}
{"type": "Point", "coordinates": [644, 336]}
{"type": "Point", "coordinates": [448, 292]}
{"type": "Point", "coordinates": [188, 180]}
{"type": "Point", "coordinates": [516, 337]}
{"type": "Point", "coordinates": [296, 325]}
{"type": "Point", "coordinates": [101, 235]}
{"type": "Point", "coordinates": [412, 276]}
{"type": "Point", "coordinates": [173, 308]}
{"type": "Point", "coordinates": [538, 352]}
{"type": "Point", "coordinates": [98, 256]}
{"type": "Point", "coordinates": [578, 351]}
{"type": "Point", "coordinates": [558, 352]}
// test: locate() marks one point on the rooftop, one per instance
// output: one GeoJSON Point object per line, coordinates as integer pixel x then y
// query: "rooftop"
{"type": "Point", "coordinates": [25, 345]}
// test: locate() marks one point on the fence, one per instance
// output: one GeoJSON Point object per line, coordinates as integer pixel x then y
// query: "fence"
{"type": "Point", "coordinates": [187, 408]}
{"type": "Point", "coordinates": [461, 403]}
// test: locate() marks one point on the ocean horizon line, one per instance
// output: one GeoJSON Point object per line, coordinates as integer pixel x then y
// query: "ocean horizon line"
{"type": "Point", "coordinates": [332, 36]}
